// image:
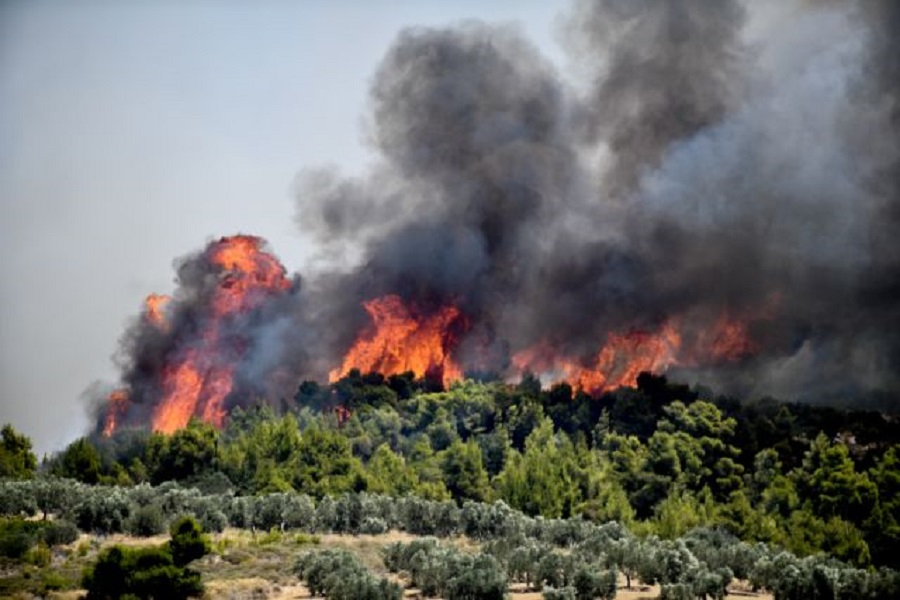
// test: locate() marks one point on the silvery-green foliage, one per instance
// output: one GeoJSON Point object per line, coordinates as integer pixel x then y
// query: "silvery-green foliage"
{"type": "Point", "coordinates": [563, 593]}
{"type": "Point", "coordinates": [488, 521]}
{"type": "Point", "coordinates": [564, 532]}
{"type": "Point", "coordinates": [240, 512]}
{"type": "Point", "coordinates": [326, 515]}
{"type": "Point", "coordinates": [591, 582]}
{"type": "Point", "coordinates": [676, 591]}
{"type": "Point", "coordinates": [17, 498]}
{"type": "Point", "coordinates": [299, 512]}
{"type": "Point", "coordinates": [103, 511]}
{"type": "Point", "coordinates": [57, 496]}
{"type": "Point", "coordinates": [338, 575]}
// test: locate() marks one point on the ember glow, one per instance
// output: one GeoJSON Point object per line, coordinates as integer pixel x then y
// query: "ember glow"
{"type": "Point", "coordinates": [402, 339]}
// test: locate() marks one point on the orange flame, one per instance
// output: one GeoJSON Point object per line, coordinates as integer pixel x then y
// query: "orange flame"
{"type": "Point", "coordinates": [155, 309]}
{"type": "Point", "coordinates": [197, 382]}
{"type": "Point", "coordinates": [115, 407]}
{"type": "Point", "coordinates": [402, 340]}
{"type": "Point", "coordinates": [728, 340]}
{"type": "Point", "coordinates": [248, 274]}
{"type": "Point", "coordinates": [618, 363]}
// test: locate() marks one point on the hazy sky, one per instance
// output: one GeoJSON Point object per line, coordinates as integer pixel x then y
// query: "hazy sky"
{"type": "Point", "coordinates": [131, 133]}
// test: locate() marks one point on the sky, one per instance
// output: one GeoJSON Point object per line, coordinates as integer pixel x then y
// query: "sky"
{"type": "Point", "coordinates": [132, 133]}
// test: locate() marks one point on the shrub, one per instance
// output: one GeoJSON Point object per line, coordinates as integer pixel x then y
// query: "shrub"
{"type": "Point", "coordinates": [398, 556]}
{"type": "Point", "coordinates": [103, 511]}
{"type": "Point", "coordinates": [39, 556]}
{"type": "Point", "coordinates": [17, 498]}
{"type": "Point", "coordinates": [188, 541]}
{"type": "Point", "coordinates": [212, 520]}
{"type": "Point", "coordinates": [676, 591]}
{"type": "Point", "coordinates": [590, 582]}
{"type": "Point", "coordinates": [146, 521]}
{"type": "Point", "coordinates": [60, 532]}
{"type": "Point", "coordinates": [444, 571]}
{"type": "Point", "coordinates": [53, 581]}
{"type": "Point", "coordinates": [563, 593]}
{"type": "Point", "coordinates": [481, 579]}
{"type": "Point", "coordinates": [140, 573]}
{"type": "Point", "coordinates": [338, 575]}
{"type": "Point", "coordinates": [154, 572]}
{"type": "Point", "coordinates": [373, 526]}
{"type": "Point", "coordinates": [18, 536]}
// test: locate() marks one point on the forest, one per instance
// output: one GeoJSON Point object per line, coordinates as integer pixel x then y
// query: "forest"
{"type": "Point", "coordinates": [562, 492]}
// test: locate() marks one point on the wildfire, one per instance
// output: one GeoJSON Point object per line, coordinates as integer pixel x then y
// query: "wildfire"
{"type": "Point", "coordinates": [116, 404]}
{"type": "Point", "coordinates": [204, 336]}
{"type": "Point", "coordinates": [727, 340]}
{"type": "Point", "coordinates": [199, 353]}
{"type": "Point", "coordinates": [401, 339]}
{"type": "Point", "coordinates": [197, 381]}
{"type": "Point", "coordinates": [155, 309]}
{"type": "Point", "coordinates": [618, 363]}
{"type": "Point", "coordinates": [248, 274]}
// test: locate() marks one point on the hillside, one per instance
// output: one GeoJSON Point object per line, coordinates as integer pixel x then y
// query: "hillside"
{"type": "Point", "coordinates": [666, 484]}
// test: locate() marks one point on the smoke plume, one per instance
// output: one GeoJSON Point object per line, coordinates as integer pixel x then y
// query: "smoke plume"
{"type": "Point", "coordinates": [716, 185]}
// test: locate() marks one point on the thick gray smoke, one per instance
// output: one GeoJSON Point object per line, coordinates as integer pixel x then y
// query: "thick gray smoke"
{"type": "Point", "coordinates": [708, 159]}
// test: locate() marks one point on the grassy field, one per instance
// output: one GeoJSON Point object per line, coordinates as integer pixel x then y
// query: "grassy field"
{"type": "Point", "coordinates": [250, 566]}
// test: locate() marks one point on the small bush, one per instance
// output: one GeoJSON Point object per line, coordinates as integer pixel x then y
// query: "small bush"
{"type": "Point", "coordinates": [140, 573]}
{"type": "Point", "coordinates": [676, 591]}
{"type": "Point", "coordinates": [563, 593]}
{"type": "Point", "coordinates": [188, 541]}
{"type": "Point", "coordinates": [213, 520]}
{"type": "Point", "coordinates": [39, 556]}
{"type": "Point", "coordinates": [373, 526]}
{"type": "Point", "coordinates": [591, 582]}
{"type": "Point", "coordinates": [146, 521]}
{"type": "Point", "coordinates": [338, 575]}
{"type": "Point", "coordinates": [53, 582]}
{"type": "Point", "coordinates": [155, 572]}
{"type": "Point", "coordinates": [17, 536]}
{"type": "Point", "coordinates": [484, 579]}
{"type": "Point", "coordinates": [61, 532]}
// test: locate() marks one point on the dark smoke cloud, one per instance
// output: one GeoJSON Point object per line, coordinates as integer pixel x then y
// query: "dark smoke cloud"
{"type": "Point", "coordinates": [699, 166]}
{"type": "Point", "coordinates": [663, 71]}
{"type": "Point", "coordinates": [692, 170]}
